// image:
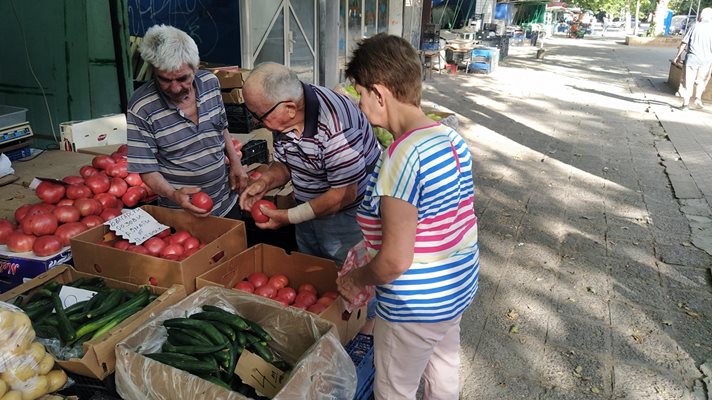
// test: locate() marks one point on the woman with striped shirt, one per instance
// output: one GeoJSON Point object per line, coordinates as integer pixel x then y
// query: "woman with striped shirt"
{"type": "Point", "coordinates": [419, 226]}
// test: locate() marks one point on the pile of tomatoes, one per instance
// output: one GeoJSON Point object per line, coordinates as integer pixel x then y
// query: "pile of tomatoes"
{"type": "Point", "coordinates": [75, 204]}
{"type": "Point", "coordinates": [175, 246]}
{"type": "Point", "coordinates": [277, 288]}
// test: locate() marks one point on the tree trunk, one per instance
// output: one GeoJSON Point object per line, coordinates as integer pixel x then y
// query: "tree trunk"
{"type": "Point", "coordinates": [661, 11]}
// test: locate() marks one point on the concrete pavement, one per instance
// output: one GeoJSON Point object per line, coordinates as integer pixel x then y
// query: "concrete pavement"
{"type": "Point", "coordinates": [593, 197]}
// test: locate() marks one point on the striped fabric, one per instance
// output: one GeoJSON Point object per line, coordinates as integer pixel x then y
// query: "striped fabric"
{"type": "Point", "coordinates": [161, 139]}
{"type": "Point", "coordinates": [431, 168]}
{"type": "Point", "coordinates": [335, 149]}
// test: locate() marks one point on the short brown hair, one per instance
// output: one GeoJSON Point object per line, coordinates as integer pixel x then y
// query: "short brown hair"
{"type": "Point", "coordinates": [389, 61]}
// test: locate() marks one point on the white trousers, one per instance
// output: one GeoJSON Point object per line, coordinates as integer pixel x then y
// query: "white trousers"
{"type": "Point", "coordinates": [405, 352]}
{"type": "Point", "coordinates": [694, 81]}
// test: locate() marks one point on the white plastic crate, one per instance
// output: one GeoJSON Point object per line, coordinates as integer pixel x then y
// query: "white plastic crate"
{"type": "Point", "coordinates": [104, 131]}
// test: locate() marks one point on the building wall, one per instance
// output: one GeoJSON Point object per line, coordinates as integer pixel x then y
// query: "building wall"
{"type": "Point", "coordinates": [69, 47]}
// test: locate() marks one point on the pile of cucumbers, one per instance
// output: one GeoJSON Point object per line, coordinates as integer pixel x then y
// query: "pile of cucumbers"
{"type": "Point", "coordinates": [84, 320]}
{"type": "Point", "coordinates": [209, 343]}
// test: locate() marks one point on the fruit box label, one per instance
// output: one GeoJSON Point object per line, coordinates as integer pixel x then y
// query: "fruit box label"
{"type": "Point", "coordinates": [261, 375]}
{"type": "Point", "coordinates": [136, 226]}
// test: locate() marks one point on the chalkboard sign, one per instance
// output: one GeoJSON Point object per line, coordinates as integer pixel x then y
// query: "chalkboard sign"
{"type": "Point", "coordinates": [213, 24]}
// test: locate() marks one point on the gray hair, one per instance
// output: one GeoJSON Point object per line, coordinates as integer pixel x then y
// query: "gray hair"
{"type": "Point", "coordinates": [167, 48]}
{"type": "Point", "coordinates": [278, 83]}
{"type": "Point", "coordinates": [706, 14]}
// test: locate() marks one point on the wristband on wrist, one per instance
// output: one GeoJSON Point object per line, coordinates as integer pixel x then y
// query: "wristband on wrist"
{"type": "Point", "coordinates": [300, 213]}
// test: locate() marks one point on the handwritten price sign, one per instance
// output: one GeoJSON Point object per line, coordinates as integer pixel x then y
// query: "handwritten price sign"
{"type": "Point", "coordinates": [135, 225]}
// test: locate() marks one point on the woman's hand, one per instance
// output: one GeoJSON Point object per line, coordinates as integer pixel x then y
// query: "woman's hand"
{"type": "Point", "coordinates": [348, 285]}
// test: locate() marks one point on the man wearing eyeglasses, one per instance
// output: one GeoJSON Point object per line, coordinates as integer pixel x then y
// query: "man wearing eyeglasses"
{"type": "Point", "coordinates": [177, 129]}
{"type": "Point", "coordinates": [324, 145]}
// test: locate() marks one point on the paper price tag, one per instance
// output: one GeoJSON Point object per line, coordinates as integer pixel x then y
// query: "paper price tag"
{"type": "Point", "coordinates": [135, 225]}
{"type": "Point", "coordinates": [261, 375]}
{"type": "Point", "coordinates": [71, 295]}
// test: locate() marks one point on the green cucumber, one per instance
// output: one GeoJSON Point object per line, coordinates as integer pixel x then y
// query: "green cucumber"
{"type": "Point", "coordinates": [194, 324]}
{"type": "Point", "coordinates": [66, 330]}
{"type": "Point", "coordinates": [225, 329]}
{"type": "Point", "coordinates": [46, 331]}
{"type": "Point", "coordinates": [193, 350]}
{"type": "Point", "coordinates": [233, 320]}
{"type": "Point", "coordinates": [111, 302]}
{"type": "Point", "coordinates": [119, 318]}
{"type": "Point", "coordinates": [262, 351]}
{"type": "Point", "coordinates": [242, 338]}
{"type": "Point", "coordinates": [139, 301]}
{"type": "Point", "coordinates": [179, 337]}
{"type": "Point", "coordinates": [259, 331]}
{"type": "Point", "coordinates": [97, 298]}
{"type": "Point", "coordinates": [184, 362]}
{"type": "Point", "coordinates": [36, 313]}
{"type": "Point", "coordinates": [75, 308]}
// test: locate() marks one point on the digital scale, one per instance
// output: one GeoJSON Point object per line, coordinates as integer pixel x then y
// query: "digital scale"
{"type": "Point", "coordinates": [15, 133]}
{"type": "Point", "coordinates": [15, 141]}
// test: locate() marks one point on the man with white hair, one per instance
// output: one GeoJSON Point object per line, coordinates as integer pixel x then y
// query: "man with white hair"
{"type": "Point", "coordinates": [698, 61]}
{"type": "Point", "coordinates": [325, 146]}
{"type": "Point", "coordinates": [177, 128]}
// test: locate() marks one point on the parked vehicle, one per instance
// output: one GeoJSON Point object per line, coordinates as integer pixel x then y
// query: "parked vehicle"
{"type": "Point", "coordinates": [679, 24]}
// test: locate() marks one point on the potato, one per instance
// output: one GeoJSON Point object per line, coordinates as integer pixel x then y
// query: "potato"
{"type": "Point", "coordinates": [12, 395]}
{"type": "Point", "coordinates": [37, 352]}
{"type": "Point", "coordinates": [57, 379]}
{"type": "Point", "coordinates": [3, 388]}
{"type": "Point", "coordinates": [36, 388]}
{"type": "Point", "coordinates": [46, 364]}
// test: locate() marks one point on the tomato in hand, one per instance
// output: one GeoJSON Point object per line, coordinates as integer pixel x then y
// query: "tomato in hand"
{"type": "Point", "coordinates": [257, 214]}
{"type": "Point", "coordinates": [202, 200]}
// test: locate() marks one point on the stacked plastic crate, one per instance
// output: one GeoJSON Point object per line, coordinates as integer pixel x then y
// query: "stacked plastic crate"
{"type": "Point", "coordinates": [484, 60]}
{"type": "Point", "coordinates": [361, 351]}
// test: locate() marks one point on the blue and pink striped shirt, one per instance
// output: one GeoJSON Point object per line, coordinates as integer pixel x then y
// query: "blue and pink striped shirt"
{"type": "Point", "coordinates": [430, 168]}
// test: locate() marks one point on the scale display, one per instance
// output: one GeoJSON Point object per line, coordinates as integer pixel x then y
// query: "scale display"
{"type": "Point", "coordinates": [14, 133]}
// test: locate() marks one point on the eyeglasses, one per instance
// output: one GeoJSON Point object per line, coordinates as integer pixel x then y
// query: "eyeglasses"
{"type": "Point", "coordinates": [261, 118]}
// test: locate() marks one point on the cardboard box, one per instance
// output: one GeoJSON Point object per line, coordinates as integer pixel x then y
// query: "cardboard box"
{"type": "Point", "coordinates": [99, 357]}
{"type": "Point", "coordinates": [299, 268]}
{"type": "Point", "coordinates": [223, 239]}
{"type": "Point", "coordinates": [101, 150]}
{"type": "Point", "coordinates": [231, 77]}
{"type": "Point", "coordinates": [322, 369]}
{"type": "Point", "coordinates": [232, 96]}
{"type": "Point", "coordinates": [18, 268]}
{"type": "Point", "coordinates": [97, 132]}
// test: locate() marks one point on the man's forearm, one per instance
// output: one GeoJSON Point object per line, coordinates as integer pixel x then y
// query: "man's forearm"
{"type": "Point", "coordinates": [334, 200]}
{"type": "Point", "coordinates": [277, 175]}
{"type": "Point", "coordinates": [158, 184]}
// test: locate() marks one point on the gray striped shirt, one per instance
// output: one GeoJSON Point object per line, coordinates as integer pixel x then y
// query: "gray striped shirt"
{"type": "Point", "coordinates": [162, 139]}
{"type": "Point", "coordinates": [336, 149]}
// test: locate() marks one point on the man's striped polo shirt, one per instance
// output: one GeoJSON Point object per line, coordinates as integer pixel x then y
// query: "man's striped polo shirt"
{"type": "Point", "coordinates": [162, 139]}
{"type": "Point", "coordinates": [336, 149]}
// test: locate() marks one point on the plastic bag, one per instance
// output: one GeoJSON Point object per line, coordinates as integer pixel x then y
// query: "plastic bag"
{"type": "Point", "coordinates": [357, 257]}
{"type": "Point", "coordinates": [25, 365]}
{"type": "Point", "coordinates": [322, 368]}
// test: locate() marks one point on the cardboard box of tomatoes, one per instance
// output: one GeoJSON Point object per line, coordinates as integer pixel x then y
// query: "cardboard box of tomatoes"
{"type": "Point", "coordinates": [303, 273]}
{"type": "Point", "coordinates": [219, 238]}
{"type": "Point", "coordinates": [99, 357]}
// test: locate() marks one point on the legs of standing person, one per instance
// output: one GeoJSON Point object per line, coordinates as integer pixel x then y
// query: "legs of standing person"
{"type": "Point", "coordinates": [442, 377]}
{"type": "Point", "coordinates": [703, 76]}
{"type": "Point", "coordinates": [687, 84]}
{"type": "Point", "coordinates": [404, 351]}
